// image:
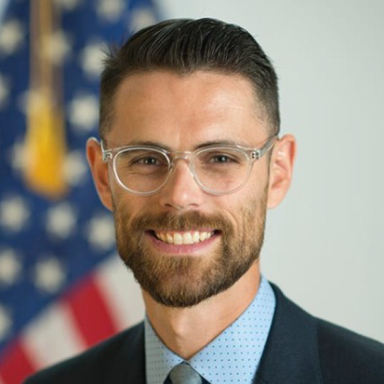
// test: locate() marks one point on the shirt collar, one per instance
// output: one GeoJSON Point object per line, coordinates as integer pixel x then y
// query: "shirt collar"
{"type": "Point", "coordinates": [234, 354]}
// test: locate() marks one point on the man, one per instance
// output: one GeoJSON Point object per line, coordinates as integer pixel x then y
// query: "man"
{"type": "Point", "coordinates": [189, 162]}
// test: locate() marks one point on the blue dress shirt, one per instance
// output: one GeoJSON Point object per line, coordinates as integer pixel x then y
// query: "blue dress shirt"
{"type": "Point", "coordinates": [232, 357]}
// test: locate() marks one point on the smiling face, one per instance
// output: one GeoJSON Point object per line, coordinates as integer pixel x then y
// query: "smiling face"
{"type": "Point", "coordinates": [183, 244]}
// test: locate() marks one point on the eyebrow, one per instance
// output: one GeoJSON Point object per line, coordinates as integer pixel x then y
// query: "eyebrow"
{"type": "Point", "coordinates": [202, 145]}
{"type": "Point", "coordinates": [149, 143]}
{"type": "Point", "coordinates": [230, 143]}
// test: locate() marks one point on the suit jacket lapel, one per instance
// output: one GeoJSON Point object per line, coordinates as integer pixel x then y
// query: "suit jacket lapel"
{"type": "Point", "coordinates": [291, 353]}
{"type": "Point", "coordinates": [129, 364]}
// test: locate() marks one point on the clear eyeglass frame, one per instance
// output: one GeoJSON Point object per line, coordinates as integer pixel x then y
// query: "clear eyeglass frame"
{"type": "Point", "coordinates": [251, 154]}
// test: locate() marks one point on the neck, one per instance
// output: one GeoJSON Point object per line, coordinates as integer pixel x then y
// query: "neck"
{"type": "Point", "coordinates": [186, 331]}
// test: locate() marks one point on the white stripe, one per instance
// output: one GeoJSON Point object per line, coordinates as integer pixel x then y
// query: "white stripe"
{"type": "Point", "coordinates": [122, 293]}
{"type": "Point", "coordinates": [3, 8]}
{"type": "Point", "coordinates": [52, 337]}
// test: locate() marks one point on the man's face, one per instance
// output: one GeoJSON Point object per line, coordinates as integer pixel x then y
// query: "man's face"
{"type": "Point", "coordinates": [182, 113]}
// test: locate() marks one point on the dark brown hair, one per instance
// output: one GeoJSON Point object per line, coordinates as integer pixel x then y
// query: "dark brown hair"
{"type": "Point", "coordinates": [184, 46]}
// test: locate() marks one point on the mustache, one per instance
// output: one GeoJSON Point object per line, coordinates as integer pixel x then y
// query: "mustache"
{"type": "Point", "coordinates": [181, 222]}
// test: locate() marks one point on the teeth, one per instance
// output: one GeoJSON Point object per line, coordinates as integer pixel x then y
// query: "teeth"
{"type": "Point", "coordinates": [177, 239]}
{"type": "Point", "coordinates": [167, 238]}
{"type": "Point", "coordinates": [183, 238]}
{"type": "Point", "coordinates": [187, 238]}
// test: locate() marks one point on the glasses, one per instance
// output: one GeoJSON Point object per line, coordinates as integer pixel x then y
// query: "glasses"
{"type": "Point", "coordinates": [217, 169]}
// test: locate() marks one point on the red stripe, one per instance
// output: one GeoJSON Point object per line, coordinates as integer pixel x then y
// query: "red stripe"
{"type": "Point", "coordinates": [90, 312]}
{"type": "Point", "coordinates": [15, 365]}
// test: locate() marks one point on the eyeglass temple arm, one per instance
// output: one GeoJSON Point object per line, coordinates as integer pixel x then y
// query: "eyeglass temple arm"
{"type": "Point", "coordinates": [256, 155]}
{"type": "Point", "coordinates": [105, 153]}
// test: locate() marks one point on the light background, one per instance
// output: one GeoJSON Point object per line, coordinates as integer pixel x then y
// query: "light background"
{"type": "Point", "coordinates": [325, 243]}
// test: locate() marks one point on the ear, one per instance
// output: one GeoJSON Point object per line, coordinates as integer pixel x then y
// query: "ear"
{"type": "Point", "coordinates": [281, 169]}
{"type": "Point", "coordinates": [99, 170]}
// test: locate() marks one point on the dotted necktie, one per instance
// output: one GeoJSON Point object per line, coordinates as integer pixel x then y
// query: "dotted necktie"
{"type": "Point", "coordinates": [184, 374]}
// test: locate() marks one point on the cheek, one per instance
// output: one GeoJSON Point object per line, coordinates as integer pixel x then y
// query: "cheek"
{"type": "Point", "coordinates": [257, 187]}
{"type": "Point", "coordinates": [247, 207]}
{"type": "Point", "coordinates": [260, 174]}
{"type": "Point", "coordinates": [124, 201]}
{"type": "Point", "coordinates": [252, 192]}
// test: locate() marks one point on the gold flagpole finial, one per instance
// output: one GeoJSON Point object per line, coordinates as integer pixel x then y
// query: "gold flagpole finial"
{"type": "Point", "coordinates": [45, 146]}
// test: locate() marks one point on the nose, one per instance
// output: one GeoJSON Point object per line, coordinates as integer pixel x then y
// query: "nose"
{"type": "Point", "coordinates": [181, 192]}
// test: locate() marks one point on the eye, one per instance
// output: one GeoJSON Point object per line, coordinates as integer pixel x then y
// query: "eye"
{"type": "Point", "coordinates": [221, 159]}
{"type": "Point", "coordinates": [147, 161]}
{"type": "Point", "coordinates": [226, 157]}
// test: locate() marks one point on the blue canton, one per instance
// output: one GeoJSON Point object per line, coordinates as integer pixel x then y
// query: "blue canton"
{"type": "Point", "coordinates": [47, 246]}
{"type": "Point", "coordinates": [233, 357]}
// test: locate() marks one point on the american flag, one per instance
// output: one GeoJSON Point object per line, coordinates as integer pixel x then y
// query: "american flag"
{"type": "Point", "coordinates": [62, 287]}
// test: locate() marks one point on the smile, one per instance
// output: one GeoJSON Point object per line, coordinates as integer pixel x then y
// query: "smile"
{"type": "Point", "coordinates": [183, 238]}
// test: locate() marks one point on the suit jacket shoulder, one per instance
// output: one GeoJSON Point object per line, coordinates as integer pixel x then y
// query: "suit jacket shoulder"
{"type": "Point", "coordinates": [303, 349]}
{"type": "Point", "coordinates": [119, 359]}
{"type": "Point", "coordinates": [347, 357]}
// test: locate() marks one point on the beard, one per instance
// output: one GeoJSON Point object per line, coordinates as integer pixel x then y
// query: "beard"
{"type": "Point", "coordinates": [183, 281]}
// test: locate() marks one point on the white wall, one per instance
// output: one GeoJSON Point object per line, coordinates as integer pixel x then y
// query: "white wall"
{"type": "Point", "coordinates": [325, 244]}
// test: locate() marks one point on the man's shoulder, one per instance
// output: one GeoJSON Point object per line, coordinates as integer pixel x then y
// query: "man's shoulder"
{"type": "Point", "coordinates": [95, 363]}
{"type": "Point", "coordinates": [318, 351]}
{"type": "Point", "coordinates": [341, 351]}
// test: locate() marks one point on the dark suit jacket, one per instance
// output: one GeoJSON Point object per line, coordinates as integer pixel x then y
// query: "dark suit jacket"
{"type": "Point", "coordinates": [301, 349]}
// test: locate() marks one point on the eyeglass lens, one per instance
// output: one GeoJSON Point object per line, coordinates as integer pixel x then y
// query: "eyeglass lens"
{"type": "Point", "coordinates": [217, 170]}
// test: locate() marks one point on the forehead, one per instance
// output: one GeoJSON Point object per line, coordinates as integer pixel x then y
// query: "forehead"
{"type": "Point", "coordinates": [183, 111]}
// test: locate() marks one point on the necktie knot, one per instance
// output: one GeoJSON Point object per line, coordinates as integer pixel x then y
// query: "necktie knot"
{"type": "Point", "coordinates": [184, 374]}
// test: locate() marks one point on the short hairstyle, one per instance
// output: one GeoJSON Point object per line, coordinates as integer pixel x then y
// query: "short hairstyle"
{"type": "Point", "coordinates": [184, 46]}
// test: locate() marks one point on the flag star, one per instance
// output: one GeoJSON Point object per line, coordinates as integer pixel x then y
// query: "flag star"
{"type": "Point", "coordinates": [92, 59]}
{"type": "Point", "coordinates": [84, 112]}
{"type": "Point", "coordinates": [4, 90]}
{"type": "Point", "coordinates": [101, 232]}
{"type": "Point", "coordinates": [61, 220]}
{"type": "Point", "coordinates": [49, 275]}
{"type": "Point", "coordinates": [14, 213]}
{"type": "Point", "coordinates": [110, 10]}
{"type": "Point", "coordinates": [67, 5]}
{"type": "Point", "coordinates": [56, 47]}
{"type": "Point", "coordinates": [5, 322]}
{"type": "Point", "coordinates": [141, 18]}
{"type": "Point", "coordinates": [75, 168]}
{"type": "Point", "coordinates": [10, 267]}
{"type": "Point", "coordinates": [11, 36]}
